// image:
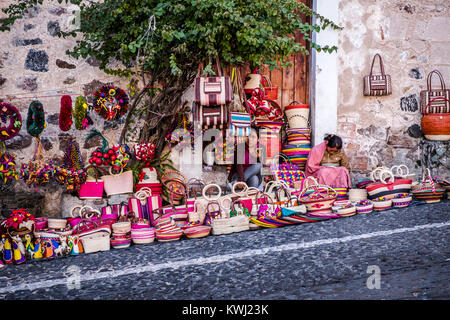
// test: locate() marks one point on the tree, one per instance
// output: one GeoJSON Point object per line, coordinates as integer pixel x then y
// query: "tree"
{"type": "Point", "coordinates": [164, 41]}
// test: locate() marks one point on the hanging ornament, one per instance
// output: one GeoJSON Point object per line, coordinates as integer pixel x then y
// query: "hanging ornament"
{"type": "Point", "coordinates": [65, 114]}
{"type": "Point", "coordinates": [35, 119]}
{"type": "Point", "coordinates": [80, 113]}
{"type": "Point", "coordinates": [9, 113]}
{"type": "Point", "coordinates": [110, 102]}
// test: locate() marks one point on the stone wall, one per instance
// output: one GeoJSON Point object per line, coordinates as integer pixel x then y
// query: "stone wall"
{"type": "Point", "coordinates": [33, 63]}
{"type": "Point", "coordinates": [413, 39]}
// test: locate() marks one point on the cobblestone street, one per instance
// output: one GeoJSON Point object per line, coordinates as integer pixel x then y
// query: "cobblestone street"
{"type": "Point", "coordinates": [333, 259]}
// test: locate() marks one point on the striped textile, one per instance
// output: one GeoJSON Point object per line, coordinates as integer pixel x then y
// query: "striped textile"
{"type": "Point", "coordinates": [298, 154]}
{"type": "Point", "coordinates": [377, 85]}
{"type": "Point", "coordinates": [211, 91]}
{"type": "Point", "coordinates": [342, 193]}
{"type": "Point", "coordinates": [435, 106]}
{"type": "Point", "coordinates": [389, 190]}
{"type": "Point", "coordinates": [240, 124]}
{"type": "Point", "coordinates": [298, 136]}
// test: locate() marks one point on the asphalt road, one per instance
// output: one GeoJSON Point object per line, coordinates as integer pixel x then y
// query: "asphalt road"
{"type": "Point", "coordinates": [394, 254]}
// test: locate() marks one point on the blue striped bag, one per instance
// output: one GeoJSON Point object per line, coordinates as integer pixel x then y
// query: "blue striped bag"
{"type": "Point", "coordinates": [240, 124]}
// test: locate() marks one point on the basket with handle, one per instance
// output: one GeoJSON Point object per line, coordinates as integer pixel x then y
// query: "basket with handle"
{"type": "Point", "coordinates": [386, 185]}
{"type": "Point", "coordinates": [436, 126]}
{"type": "Point", "coordinates": [297, 115]}
{"type": "Point", "coordinates": [270, 91]}
{"type": "Point", "coordinates": [428, 191]}
{"type": "Point", "coordinates": [93, 237]}
{"type": "Point", "coordinates": [318, 199]}
{"type": "Point", "coordinates": [286, 171]}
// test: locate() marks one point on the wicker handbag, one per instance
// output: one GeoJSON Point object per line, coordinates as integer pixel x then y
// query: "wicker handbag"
{"type": "Point", "coordinates": [93, 238]}
{"type": "Point", "coordinates": [428, 191]}
{"type": "Point", "coordinates": [427, 102]}
{"type": "Point", "coordinates": [377, 84]}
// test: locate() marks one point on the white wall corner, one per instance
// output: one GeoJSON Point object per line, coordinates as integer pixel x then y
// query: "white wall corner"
{"type": "Point", "coordinates": [324, 75]}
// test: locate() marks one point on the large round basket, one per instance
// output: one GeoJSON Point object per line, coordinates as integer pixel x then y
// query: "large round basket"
{"type": "Point", "coordinates": [297, 115]}
{"type": "Point", "coordinates": [197, 231]}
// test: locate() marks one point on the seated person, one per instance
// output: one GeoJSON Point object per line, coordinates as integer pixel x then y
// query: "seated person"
{"type": "Point", "coordinates": [328, 163]}
{"type": "Point", "coordinates": [246, 168]}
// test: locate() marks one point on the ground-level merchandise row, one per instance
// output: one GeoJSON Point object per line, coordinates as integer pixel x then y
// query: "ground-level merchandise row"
{"type": "Point", "coordinates": [206, 209]}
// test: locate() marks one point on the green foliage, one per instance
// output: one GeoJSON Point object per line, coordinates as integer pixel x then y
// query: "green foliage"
{"type": "Point", "coordinates": [187, 32]}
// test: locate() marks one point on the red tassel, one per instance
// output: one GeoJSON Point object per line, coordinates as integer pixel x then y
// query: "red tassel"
{"type": "Point", "coordinates": [65, 114]}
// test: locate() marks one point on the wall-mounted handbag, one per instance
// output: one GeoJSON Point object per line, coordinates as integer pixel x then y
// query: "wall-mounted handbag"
{"type": "Point", "coordinates": [377, 84]}
{"type": "Point", "coordinates": [121, 183]}
{"type": "Point", "coordinates": [211, 91]}
{"type": "Point", "coordinates": [427, 97]}
{"type": "Point", "coordinates": [92, 188]}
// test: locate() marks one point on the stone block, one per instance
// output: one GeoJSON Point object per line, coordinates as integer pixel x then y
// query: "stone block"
{"type": "Point", "coordinates": [19, 142]}
{"type": "Point", "coordinates": [400, 141]}
{"type": "Point", "coordinates": [415, 73]}
{"type": "Point", "coordinates": [440, 53]}
{"type": "Point", "coordinates": [409, 103]}
{"type": "Point", "coordinates": [434, 30]}
{"type": "Point", "coordinates": [2, 81]}
{"type": "Point", "coordinates": [64, 64]}
{"type": "Point", "coordinates": [27, 83]}
{"type": "Point", "coordinates": [18, 42]}
{"type": "Point", "coordinates": [374, 132]}
{"type": "Point", "coordinates": [359, 163]}
{"type": "Point", "coordinates": [28, 26]}
{"type": "Point", "coordinates": [37, 60]}
{"type": "Point", "coordinates": [53, 28]}
{"type": "Point", "coordinates": [69, 80]}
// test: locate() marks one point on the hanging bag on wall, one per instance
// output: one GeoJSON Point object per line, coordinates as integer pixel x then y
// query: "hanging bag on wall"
{"type": "Point", "coordinates": [377, 84]}
{"type": "Point", "coordinates": [211, 91]}
{"type": "Point", "coordinates": [427, 102]}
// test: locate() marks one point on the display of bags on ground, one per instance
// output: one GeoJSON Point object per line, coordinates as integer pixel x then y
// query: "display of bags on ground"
{"type": "Point", "coordinates": [377, 84]}
{"type": "Point", "coordinates": [427, 97]}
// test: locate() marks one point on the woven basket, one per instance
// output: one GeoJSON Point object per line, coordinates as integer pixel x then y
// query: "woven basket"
{"type": "Point", "coordinates": [96, 242]}
{"type": "Point", "coordinates": [381, 205]}
{"type": "Point", "coordinates": [143, 236]}
{"type": "Point", "coordinates": [364, 206]}
{"type": "Point", "coordinates": [120, 243]}
{"type": "Point", "coordinates": [169, 236]}
{"type": "Point", "coordinates": [401, 202]}
{"type": "Point", "coordinates": [357, 194]}
{"type": "Point", "coordinates": [56, 223]}
{"type": "Point", "coordinates": [197, 231]}
{"type": "Point", "coordinates": [121, 227]}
